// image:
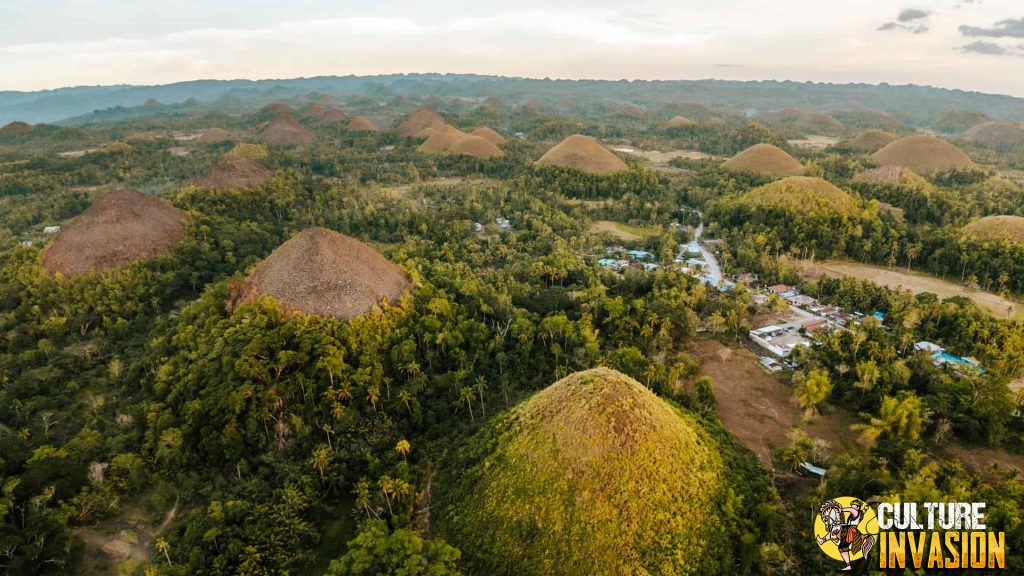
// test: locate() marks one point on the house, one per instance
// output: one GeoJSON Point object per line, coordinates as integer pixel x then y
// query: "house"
{"type": "Point", "coordinates": [925, 346]}
{"type": "Point", "coordinates": [770, 364]}
{"type": "Point", "coordinates": [26, 243]}
{"type": "Point", "coordinates": [503, 223]}
{"type": "Point", "coordinates": [812, 470]}
{"type": "Point", "coordinates": [760, 299]}
{"type": "Point", "coordinates": [746, 278]}
{"type": "Point", "coordinates": [478, 227]}
{"type": "Point", "coordinates": [51, 230]}
{"type": "Point", "coordinates": [779, 289]}
{"type": "Point", "coordinates": [640, 255]}
{"type": "Point", "coordinates": [802, 300]}
{"type": "Point", "coordinates": [815, 325]}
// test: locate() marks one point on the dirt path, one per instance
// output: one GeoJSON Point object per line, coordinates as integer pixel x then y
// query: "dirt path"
{"type": "Point", "coordinates": [757, 407]}
{"type": "Point", "coordinates": [915, 282]}
{"type": "Point", "coordinates": [124, 539]}
{"type": "Point", "coordinates": [980, 459]}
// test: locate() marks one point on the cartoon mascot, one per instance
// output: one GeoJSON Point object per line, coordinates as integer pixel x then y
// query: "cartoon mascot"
{"type": "Point", "coordinates": [843, 530]}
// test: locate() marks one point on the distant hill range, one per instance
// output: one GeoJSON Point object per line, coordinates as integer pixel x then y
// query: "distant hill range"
{"type": "Point", "coordinates": [912, 104]}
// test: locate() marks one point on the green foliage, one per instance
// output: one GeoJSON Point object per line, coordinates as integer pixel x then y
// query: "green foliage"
{"type": "Point", "coordinates": [378, 551]}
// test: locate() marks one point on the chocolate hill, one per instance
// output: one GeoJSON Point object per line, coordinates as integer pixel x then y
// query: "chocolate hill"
{"type": "Point", "coordinates": [677, 122]}
{"type": "Point", "coordinates": [235, 172]}
{"type": "Point", "coordinates": [582, 153]}
{"type": "Point", "coordinates": [870, 140]}
{"type": "Point", "coordinates": [215, 135]}
{"type": "Point", "coordinates": [119, 228]}
{"type": "Point", "coordinates": [326, 273]}
{"type": "Point", "coordinates": [457, 142]}
{"type": "Point", "coordinates": [15, 128]}
{"type": "Point", "coordinates": [421, 118]}
{"type": "Point", "coordinates": [764, 159]}
{"type": "Point", "coordinates": [476, 147]}
{"type": "Point", "coordinates": [997, 229]}
{"type": "Point", "coordinates": [996, 134]}
{"type": "Point", "coordinates": [802, 194]}
{"type": "Point", "coordinates": [285, 131]}
{"type": "Point", "coordinates": [923, 154]}
{"type": "Point", "coordinates": [595, 474]}
{"type": "Point", "coordinates": [362, 124]}
{"type": "Point", "coordinates": [489, 135]}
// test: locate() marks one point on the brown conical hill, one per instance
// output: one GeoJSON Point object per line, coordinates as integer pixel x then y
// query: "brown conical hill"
{"type": "Point", "coordinates": [16, 128]}
{"type": "Point", "coordinates": [285, 131]}
{"type": "Point", "coordinates": [887, 174]}
{"type": "Point", "coordinates": [215, 135]}
{"type": "Point", "coordinates": [804, 194]}
{"type": "Point", "coordinates": [362, 124]}
{"type": "Point", "coordinates": [440, 142]}
{"type": "Point", "coordinates": [421, 118]}
{"type": "Point", "coordinates": [440, 129]}
{"type": "Point", "coordinates": [477, 147]}
{"type": "Point", "coordinates": [119, 228]}
{"type": "Point", "coordinates": [996, 134]}
{"type": "Point", "coordinates": [276, 110]}
{"type": "Point", "coordinates": [870, 140]}
{"type": "Point", "coordinates": [577, 479]}
{"type": "Point", "coordinates": [333, 116]}
{"type": "Point", "coordinates": [315, 111]}
{"type": "Point", "coordinates": [582, 153]}
{"type": "Point", "coordinates": [997, 229]}
{"type": "Point", "coordinates": [923, 154]}
{"type": "Point", "coordinates": [326, 273]}
{"type": "Point", "coordinates": [489, 135]}
{"type": "Point", "coordinates": [764, 159]}
{"type": "Point", "coordinates": [235, 172]}
{"type": "Point", "coordinates": [679, 122]}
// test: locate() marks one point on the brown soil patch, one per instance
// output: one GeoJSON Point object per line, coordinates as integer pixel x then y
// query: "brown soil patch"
{"type": "Point", "coordinates": [121, 227]}
{"type": "Point", "coordinates": [923, 154]}
{"type": "Point", "coordinates": [235, 172]}
{"type": "Point", "coordinates": [981, 459]}
{"type": "Point", "coordinates": [583, 153]}
{"type": "Point", "coordinates": [757, 407]}
{"type": "Point", "coordinates": [326, 273]}
{"type": "Point", "coordinates": [285, 131]}
{"type": "Point", "coordinates": [916, 283]}
{"type": "Point", "coordinates": [764, 159]}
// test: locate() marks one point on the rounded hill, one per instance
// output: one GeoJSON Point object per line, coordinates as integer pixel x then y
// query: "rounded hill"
{"type": "Point", "coordinates": [804, 194]}
{"type": "Point", "coordinates": [362, 124]}
{"type": "Point", "coordinates": [593, 475]}
{"type": "Point", "coordinates": [490, 135]}
{"type": "Point", "coordinates": [996, 134]}
{"type": "Point", "coordinates": [764, 159]}
{"type": "Point", "coordinates": [325, 273]}
{"type": "Point", "coordinates": [870, 140]}
{"type": "Point", "coordinates": [923, 154]}
{"type": "Point", "coordinates": [677, 122]}
{"type": "Point", "coordinates": [16, 128]}
{"type": "Point", "coordinates": [285, 131]}
{"type": "Point", "coordinates": [214, 135]}
{"type": "Point", "coordinates": [422, 117]}
{"type": "Point", "coordinates": [583, 153]}
{"type": "Point", "coordinates": [235, 172]}
{"type": "Point", "coordinates": [997, 229]}
{"type": "Point", "coordinates": [121, 227]}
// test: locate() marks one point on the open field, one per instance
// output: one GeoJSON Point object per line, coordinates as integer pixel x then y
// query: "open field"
{"type": "Point", "coordinates": [757, 407]}
{"type": "Point", "coordinates": [814, 141]}
{"type": "Point", "coordinates": [402, 192]}
{"type": "Point", "coordinates": [913, 281]}
{"type": "Point", "coordinates": [624, 232]}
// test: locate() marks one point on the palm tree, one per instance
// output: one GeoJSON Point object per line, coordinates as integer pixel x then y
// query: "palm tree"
{"type": "Point", "coordinates": [320, 460]}
{"type": "Point", "coordinates": [403, 448]}
{"type": "Point", "coordinates": [163, 546]}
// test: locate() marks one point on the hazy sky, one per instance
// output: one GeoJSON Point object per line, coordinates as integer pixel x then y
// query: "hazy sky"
{"type": "Point", "coordinates": [968, 44]}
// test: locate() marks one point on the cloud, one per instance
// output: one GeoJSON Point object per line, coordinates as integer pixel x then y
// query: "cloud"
{"type": "Point", "coordinates": [993, 49]}
{"type": "Point", "coordinates": [912, 20]}
{"type": "Point", "coordinates": [1009, 28]}
{"type": "Point", "coordinates": [909, 14]}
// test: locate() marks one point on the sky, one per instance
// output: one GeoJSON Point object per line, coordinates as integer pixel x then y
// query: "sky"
{"type": "Point", "coordinates": [967, 44]}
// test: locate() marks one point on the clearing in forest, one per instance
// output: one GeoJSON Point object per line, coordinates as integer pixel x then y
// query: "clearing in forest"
{"type": "Point", "coordinates": [758, 408]}
{"type": "Point", "coordinates": [624, 232]}
{"type": "Point", "coordinates": [915, 282]}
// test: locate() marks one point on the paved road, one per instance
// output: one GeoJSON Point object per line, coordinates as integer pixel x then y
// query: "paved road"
{"type": "Point", "coordinates": [712, 270]}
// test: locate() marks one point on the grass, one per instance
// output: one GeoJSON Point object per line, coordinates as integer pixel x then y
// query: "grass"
{"type": "Point", "coordinates": [625, 232]}
{"type": "Point", "coordinates": [594, 474]}
{"type": "Point", "coordinates": [997, 228]}
{"type": "Point", "coordinates": [802, 194]}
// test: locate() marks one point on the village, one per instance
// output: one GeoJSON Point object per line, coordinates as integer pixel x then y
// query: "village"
{"type": "Point", "coordinates": [773, 343]}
